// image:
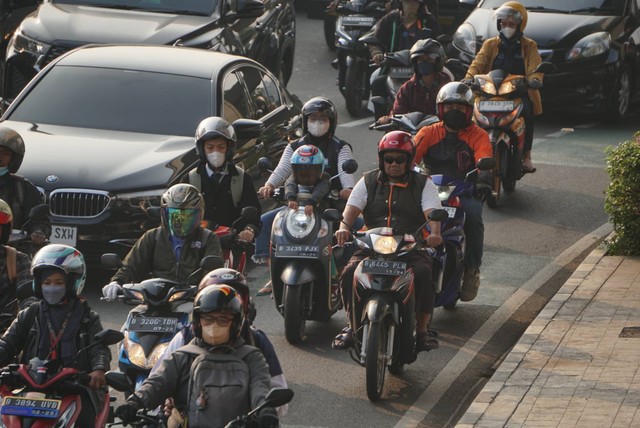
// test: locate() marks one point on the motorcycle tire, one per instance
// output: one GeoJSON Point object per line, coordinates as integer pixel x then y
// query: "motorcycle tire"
{"type": "Point", "coordinates": [356, 93]}
{"type": "Point", "coordinates": [500, 156]}
{"type": "Point", "coordinates": [294, 321]}
{"type": "Point", "coordinates": [376, 363]}
{"type": "Point", "coordinates": [330, 32]}
{"type": "Point", "coordinates": [514, 173]}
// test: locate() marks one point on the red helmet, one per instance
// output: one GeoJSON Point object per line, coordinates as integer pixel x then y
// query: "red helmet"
{"type": "Point", "coordinates": [397, 141]}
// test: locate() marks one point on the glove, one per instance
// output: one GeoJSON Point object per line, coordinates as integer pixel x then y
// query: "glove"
{"type": "Point", "coordinates": [535, 84]}
{"type": "Point", "coordinates": [111, 290]}
{"type": "Point", "coordinates": [482, 192]}
{"type": "Point", "coordinates": [268, 418]}
{"type": "Point", "coordinates": [127, 412]}
{"type": "Point", "coordinates": [468, 82]}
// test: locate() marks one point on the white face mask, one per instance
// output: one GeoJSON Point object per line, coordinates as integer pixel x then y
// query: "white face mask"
{"type": "Point", "coordinates": [508, 32]}
{"type": "Point", "coordinates": [215, 335]}
{"type": "Point", "coordinates": [216, 159]}
{"type": "Point", "coordinates": [317, 128]}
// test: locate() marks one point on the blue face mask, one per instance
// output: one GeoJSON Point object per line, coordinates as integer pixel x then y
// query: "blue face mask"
{"type": "Point", "coordinates": [4, 170]}
{"type": "Point", "coordinates": [426, 68]}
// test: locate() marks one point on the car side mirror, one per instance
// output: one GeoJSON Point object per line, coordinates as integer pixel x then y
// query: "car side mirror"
{"type": "Point", "coordinates": [241, 9]}
{"type": "Point", "coordinates": [247, 129]}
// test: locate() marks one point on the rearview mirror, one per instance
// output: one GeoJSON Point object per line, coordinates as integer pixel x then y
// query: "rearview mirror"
{"type": "Point", "coordinates": [39, 211]}
{"type": "Point", "coordinates": [210, 263]}
{"type": "Point", "coordinates": [118, 381]}
{"type": "Point", "coordinates": [278, 397]}
{"type": "Point", "coordinates": [109, 337]}
{"type": "Point", "coordinates": [485, 164]}
{"type": "Point", "coordinates": [332, 214]}
{"type": "Point", "coordinates": [546, 67]}
{"type": "Point", "coordinates": [250, 214]}
{"type": "Point", "coordinates": [264, 164]}
{"type": "Point", "coordinates": [111, 261]}
{"type": "Point", "coordinates": [350, 166]}
{"type": "Point", "coordinates": [438, 215]}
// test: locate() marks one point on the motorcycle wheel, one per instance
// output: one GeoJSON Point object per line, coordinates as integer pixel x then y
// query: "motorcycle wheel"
{"type": "Point", "coordinates": [356, 93]}
{"type": "Point", "coordinates": [514, 172]}
{"type": "Point", "coordinates": [294, 321]}
{"type": "Point", "coordinates": [330, 32]}
{"type": "Point", "coordinates": [376, 363]}
{"type": "Point", "coordinates": [499, 156]}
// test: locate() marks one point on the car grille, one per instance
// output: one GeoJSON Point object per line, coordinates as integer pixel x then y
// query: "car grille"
{"type": "Point", "coordinates": [58, 49]}
{"type": "Point", "coordinates": [78, 203]}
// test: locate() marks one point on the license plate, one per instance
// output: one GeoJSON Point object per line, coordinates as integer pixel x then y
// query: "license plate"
{"type": "Point", "coordinates": [488, 106]}
{"type": "Point", "coordinates": [67, 235]}
{"type": "Point", "coordinates": [358, 21]}
{"type": "Point", "coordinates": [383, 267]}
{"type": "Point", "coordinates": [451, 211]}
{"type": "Point", "coordinates": [298, 251]}
{"type": "Point", "coordinates": [153, 324]}
{"type": "Point", "coordinates": [31, 407]}
{"type": "Point", "coordinates": [400, 72]}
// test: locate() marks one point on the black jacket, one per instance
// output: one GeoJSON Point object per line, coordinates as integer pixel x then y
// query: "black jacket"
{"type": "Point", "coordinates": [22, 195]}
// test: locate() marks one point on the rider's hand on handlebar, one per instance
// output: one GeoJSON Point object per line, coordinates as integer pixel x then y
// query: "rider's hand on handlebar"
{"type": "Point", "coordinates": [266, 191]}
{"type": "Point", "coordinates": [378, 58]}
{"type": "Point", "coordinates": [268, 418]}
{"type": "Point", "coordinates": [434, 240]}
{"type": "Point", "coordinates": [38, 238]}
{"type": "Point", "coordinates": [246, 235]}
{"type": "Point", "coordinates": [308, 210]}
{"type": "Point", "coordinates": [342, 236]}
{"type": "Point", "coordinates": [97, 379]}
{"type": "Point", "coordinates": [535, 83]}
{"type": "Point", "coordinates": [383, 120]}
{"type": "Point", "coordinates": [482, 192]}
{"type": "Point", "coordinates": [127, 412]}
{"type": "Point", "coordinates": [293, 205]}
{"type": "Point", "coordinates": [344, 194]}
{"type": "Point", "coordinates": [168, 406]}
{"type": "Point", "coordinates": [111, 290]}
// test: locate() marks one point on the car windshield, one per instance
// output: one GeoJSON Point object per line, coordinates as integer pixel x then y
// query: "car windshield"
{"type": "Point", "coordinates": [115, 99]}
{"type": "Point", "coordinates": [182, 7]}
{"type": "Point", "coordinates": [597, 7]}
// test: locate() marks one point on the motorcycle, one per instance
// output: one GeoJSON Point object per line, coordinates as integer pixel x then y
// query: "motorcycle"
{"type": "Point", "coordinates": [497, 109]}
{"type": "Point", "coordinates": [232, 246]}
{"type": "Point", "coordinates": [409, 122]}
{"type": "Point", "coordinates": [20, 239]}
{"type": "Point", "coordinates": [162, 308]}
{"type": "Point", "coordinates": [42, 394]}
{"type": "Point", "coordinates": [383, 317]}
{"type": "Point", "coordinates": [355, 19]}
{"type": "Point", "coordinates": [399, 69]}
{"type": "Point", "coordinates": [303, 266]}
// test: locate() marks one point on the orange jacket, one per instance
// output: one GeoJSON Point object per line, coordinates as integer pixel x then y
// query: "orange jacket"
{"type": "Point", "coordinates": [476, 138]}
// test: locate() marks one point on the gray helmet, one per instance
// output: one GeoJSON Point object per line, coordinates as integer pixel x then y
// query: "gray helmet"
{"type": "Point", "coordinates": [215, 127]}
{"type": "Point", "coordinates": [14, 142]}
{"type": "Point", "coordinates": [426, 47]}
{"type": "Point", "coordinates": [182, 209]}
{"type": "Point", "coordinates": [455, 93]}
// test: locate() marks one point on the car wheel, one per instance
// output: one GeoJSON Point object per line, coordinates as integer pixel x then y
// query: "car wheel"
{"type": "Point", "coordinates": [285, 65]}
{"type": "Point", "coordinates": [620, 99]}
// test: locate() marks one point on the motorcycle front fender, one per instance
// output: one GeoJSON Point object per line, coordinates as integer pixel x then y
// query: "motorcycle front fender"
{"type": "Point", "coordinates": [297, 272]}
{"type": "Point", "coordinates": [377, 309]}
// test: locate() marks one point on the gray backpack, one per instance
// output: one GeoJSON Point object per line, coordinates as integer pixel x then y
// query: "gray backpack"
{"type": "Point", "coordinates": [218, 386]}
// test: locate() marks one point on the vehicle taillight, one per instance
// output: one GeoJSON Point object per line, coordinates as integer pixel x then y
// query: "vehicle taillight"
{"type": "Point", "coordinates": [454, 201]}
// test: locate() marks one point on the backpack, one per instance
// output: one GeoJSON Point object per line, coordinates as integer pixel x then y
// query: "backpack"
{"type": "Point", "coordinates": [218, 386]}
{"type": "Point", "coordinates": [237, 183]}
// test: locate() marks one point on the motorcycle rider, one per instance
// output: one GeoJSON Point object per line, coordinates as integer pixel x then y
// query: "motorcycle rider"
{"type": "Point", "coordinates": [394, 196]}
{"type": "Point", "coordinates": [61, 324]}
{"type": "Point", "coordinates": [307, 163]}
{"type": "Point", "coordinates": [16, 190]}
{"type": "Point", "coordinates": [419, 92]}
{"type": "Point", "coordinates": [319, 122]}
{"type": "Point", "coordinates": [399, 30]}
{"type": "Point", "coordinates": [452, 147]}
{"type": "Point", "coordinates": [172, 250]}
{"type": "Point", "coordinates": [217, 178]}
{"type": "Point", "coordinates": [218, 316]}
{"type": "Point", "coordinates": [514, 53]}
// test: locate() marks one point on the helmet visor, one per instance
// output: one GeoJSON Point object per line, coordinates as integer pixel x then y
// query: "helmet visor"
{"type": "Point", "coordinates": [182, 222]}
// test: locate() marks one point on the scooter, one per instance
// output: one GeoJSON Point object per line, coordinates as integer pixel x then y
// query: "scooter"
{"type": "Point", "coordinates": [304, 269]}
{"type": "Point", "coordinates": [232, 246]}
{"type": "Point", "coordinates": [42, 394]}
{"type": "Point", "coordinates": [383, 316]}
{"type": "Point", "coordinates": [409, 122]}
{"type": "Point", "coordinates": [20, 240]}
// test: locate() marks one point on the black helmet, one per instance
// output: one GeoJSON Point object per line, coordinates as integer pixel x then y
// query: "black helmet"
{"type": "Point", "coordinates": [234, 279]}
{"type": "Point", "coordinates": [427, 47]}
{"type": "Point", "coordinates": [182, 209]}
{"type": "Point", "coordinates": [219, 297]}
{"type": "Point", "coordinates": [215, 127]}
{"type": "Point", "coordinates": [14, 142]}
{"type": "Point", "coordinates": [6, 220]}
{"type": "Point", "coordinates": [321, 105]}
{"type": "Point", "coordinates": [455, 93]}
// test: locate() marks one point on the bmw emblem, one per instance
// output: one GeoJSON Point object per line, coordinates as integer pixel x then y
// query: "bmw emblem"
{"type": "Point", "coordinates": [51, 178]}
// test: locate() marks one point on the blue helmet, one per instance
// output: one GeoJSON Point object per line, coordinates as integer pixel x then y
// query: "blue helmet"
{"type": "Point", "coordinates": [307, 163]}
{"type": "Point", "coordinates": [64, 258]}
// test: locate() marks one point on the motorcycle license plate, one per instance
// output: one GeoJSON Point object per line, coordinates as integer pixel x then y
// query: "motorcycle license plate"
{"type": "Point", "coordinates": [298, 251]}
{"type": "Point", "coordinates": [153, 324]}
{"type": "Point", "coordinates": [487, 105]}
{"type": "Point", "coordinates": [451, 211]}
{"type": "Point", "coordinates": [31, 407]}
{"type": "Point", "coordinates": [383, 267]}
{"type": "Point", "coordinates": [400, 72]}
{"type": "Point", "coordinates": [358, 21]}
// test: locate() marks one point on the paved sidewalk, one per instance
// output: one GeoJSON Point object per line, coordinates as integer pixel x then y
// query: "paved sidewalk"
{"type": "Point", "coordinates": [578, 363]}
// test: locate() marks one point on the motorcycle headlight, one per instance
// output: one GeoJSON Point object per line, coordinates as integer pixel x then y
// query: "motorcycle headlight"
{"type": "Point", "coordinates": [384, 244]}
{"type": "Point", "coordinates": [136, 353]}
{"type": "Point", "coordinates": [157, 353]}
{"type": "Point", "coordinates": [179, 295]}
{"type": "Point", "coordinates": [298, 224]}
{"type": "Point", "coordinates": [486, 86]}
{"type": "Point", "coordinates": [324, 229]}
{"type": "Point", "coordinates": [22, 43]}
{"type": "Point", "coordinates": [444, 192]}
{"type": "Point", "coordinates": [464, 39]}
{"type": "Point", "coordinates": [142, 200]}
{"type": "Point", "coordinates": [590, 46]}
{"type": "Point", "coordinates": [507, 87]}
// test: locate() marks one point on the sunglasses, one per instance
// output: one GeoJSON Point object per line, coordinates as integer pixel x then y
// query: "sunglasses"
{"type": "Point", "coordinates": [220, 321]}
{"type": "Point", "coordinates": [397, 159]}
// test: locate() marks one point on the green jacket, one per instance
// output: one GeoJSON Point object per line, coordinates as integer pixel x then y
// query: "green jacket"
{"type": "Point", "coordinates": [152, 257]}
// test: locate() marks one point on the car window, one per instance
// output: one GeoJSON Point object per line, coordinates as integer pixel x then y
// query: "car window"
{"type": "Point", "coordinates": [235, 101]}
{"type": "Point", "coordinates": [606, 7]}
{"type": "Point", "coordinates": [263, 90]}
{"type": "Point", "coordinates": [115, 99]}
{"type": "Point", "coordinates": [182, 7]}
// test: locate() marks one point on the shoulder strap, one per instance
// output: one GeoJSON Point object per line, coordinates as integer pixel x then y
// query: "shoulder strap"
{"type": "Point", "coordinates": [237, 183]}
{"type": "Point", "coordinates": [12, 264]}
{"type": "Point", "coordinates": [195, 180]}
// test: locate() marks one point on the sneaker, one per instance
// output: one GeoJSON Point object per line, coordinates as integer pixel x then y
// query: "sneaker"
{"type": "Point", "coordinates": [426, 341]}
{"type": "Point", "coordinates": [266, 290]}
{"type": "Point", "coordinates": [344, 340]}
{"type": "Point", "coordinates": [470, 285]}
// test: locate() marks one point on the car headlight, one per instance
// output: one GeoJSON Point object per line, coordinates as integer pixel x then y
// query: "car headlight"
{"type": "Point", "coordinates": [298, 224]}
{"type": "Point", "coordinates": [21, 43]}
{"type": "Point", "coordinates": [384, 244]}
{"type": "Point", "coordinates": [590, 46]}
{"type": "Point", "coordinates": [142, 200]}
{"type": "Point", "coordinates": [464, 39]}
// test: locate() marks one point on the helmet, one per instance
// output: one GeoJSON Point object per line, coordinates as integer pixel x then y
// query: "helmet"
{"type": "Point", "coordinates": [65, 258]}
{"type": "Point", "coordinates": [218, 297]}
{"type": "Point", "coordinates": [455, 93]}
{"type": "Point", "coordinates": [427, 47]}
{"type": "Point", "coordinates": [182, 209]}
{"type": "Point", "coordinates": [513, 10]}
{"type": "Point", "coordinates": [397, 141]}
{"type": "Point", "coordinates": [320, 105]}
{"type": "Point", "coordinates": [6, 220]}
{"type": "Point", "coordinates": [215, 127]}
{"type": "Point", "coordinates": [14, 142]}
{"type": "Point", "coordinates": [234, 279]}
{"type": "Point", "coordinates": [307, 163]}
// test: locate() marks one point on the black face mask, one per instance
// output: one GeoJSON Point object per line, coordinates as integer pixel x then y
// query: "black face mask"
{"type": "Point", "coordinates": [426, 68]}
{"type": "Point", "coordinates": [455, 119]}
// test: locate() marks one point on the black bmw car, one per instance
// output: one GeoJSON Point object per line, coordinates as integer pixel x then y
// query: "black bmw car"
{"type": "Point", "coordinates": [109, 128]}
{"type": "Point", "coordinates": [263, 30]}
{"type": "Point", "coordinates": [593, 43]}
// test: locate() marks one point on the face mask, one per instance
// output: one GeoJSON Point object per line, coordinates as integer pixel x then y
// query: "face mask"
{"type": "Point", "coordinates": [54, 294]}
{"type": "Point", "coordinates": [455, 119]}
{"type": "Point", "coordinates": [508, 32]}
{"type": "Point", "coordinates": [4, 170]}
{"type": "Point", "coordinates": [426, 68]}
{"type": "Point", "coordinates": [216, 335]}
{"type": "Point", "coordinates": [317, 129]}
{"type": "Point", "coordinates": [216, 159]}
